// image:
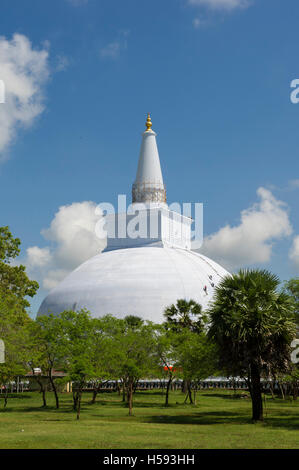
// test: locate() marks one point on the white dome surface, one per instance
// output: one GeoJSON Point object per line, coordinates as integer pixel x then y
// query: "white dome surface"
{"type": "Point", "coordinates": [136, 281]}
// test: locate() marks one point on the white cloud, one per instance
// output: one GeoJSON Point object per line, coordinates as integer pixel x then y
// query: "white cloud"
{"type": "Point", "coordinates": [294, 252]}
{"type": "Point", "coordinates": [252, 240]}
{"type": "Point", "coordinates": [24, 72]}
{"type": "Point", "coordinates": [72, 241]}
{"type": "Point", "coordinates": [53, 277]}
{"type": "Point", "coordinates": [38, 257]}
{"type": "Point", "coordinates": [114, 48]}
{"type": "Point", "coordinates": [221, 4]}
{"type": "Point", "coordinates": [62, 63]}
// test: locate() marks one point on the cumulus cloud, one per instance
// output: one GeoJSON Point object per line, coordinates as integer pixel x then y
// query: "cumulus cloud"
{"type": "Point", "coordinates": [252, 240]}
{"type": "Point", "coordinates": [24, 71]}
{"type": "Point", "coordinates": [38, 257]}
{"type": "Point", "coordinates": [72, 240]}
{"type": "Point", "coordinates": [221, 4]}
{"type": "Point", "coordinates": [294, 252]}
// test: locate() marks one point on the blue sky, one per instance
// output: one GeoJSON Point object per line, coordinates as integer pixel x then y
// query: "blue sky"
{"type": "Point", "coordinates": [215, 76]}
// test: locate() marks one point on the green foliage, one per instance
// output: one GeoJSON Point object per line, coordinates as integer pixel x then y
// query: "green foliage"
{"type": "Point", "coordinates": [13, 279]}
{"type": "Point", "coordinates": [78, 330]}
{"type": "Point", "coordinates": [196, 356]}
{"type": "Point", "coordinates": [185, 314]}
{"type": "Point", "coordinates": [13, 327]}
{"type": "Point", "coordinates": [131, 345]}
{"type": "Point", "coordinates": [291, 288]}
{"type": "Point", "coordinates": [252, 322]}
{"type": "Point", "coordinates": [132, 349]}
{"type": "Point", "coordinates": [9, 246]}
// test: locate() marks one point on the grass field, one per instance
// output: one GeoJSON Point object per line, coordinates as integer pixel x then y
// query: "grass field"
{"type": "Point", "coordinates": [218, 421]}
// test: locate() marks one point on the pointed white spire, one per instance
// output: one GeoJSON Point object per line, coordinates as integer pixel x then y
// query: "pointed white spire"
{"type": "Point", "coordinates": [148, 186]}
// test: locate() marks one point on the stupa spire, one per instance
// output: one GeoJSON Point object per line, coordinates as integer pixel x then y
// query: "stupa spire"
{"type": "Point", "coordinates": [148, 186]}
{"type": "Point", "coordinates": [148, 122]}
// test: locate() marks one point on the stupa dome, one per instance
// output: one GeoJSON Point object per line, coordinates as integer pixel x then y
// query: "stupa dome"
{"type": "Point", "coordinates": [136, 281]}
{"type": "Point", "coordinates": [145, 274]}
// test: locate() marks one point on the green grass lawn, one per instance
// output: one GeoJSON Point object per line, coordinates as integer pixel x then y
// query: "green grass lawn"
{"type": "Point", "coordinates": [219, 421]}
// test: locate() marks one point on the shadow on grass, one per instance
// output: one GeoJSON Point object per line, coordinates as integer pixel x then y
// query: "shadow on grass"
{"type": "Point", "coordinates": [149, 392]}
{"type": "Point", "coordinates": [290, 423]}
{"type": "Point", "coordinates": [226, 396]}
{"type": "Point", "coordinates": [222, 417]}
{"type": "Point", "coordinates": [14, 395]}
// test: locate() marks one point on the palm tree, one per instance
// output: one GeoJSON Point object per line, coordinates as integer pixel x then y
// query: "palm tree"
{"type": "Point", "coordinates": [252, 324]}
{"type": "Point", "coordinates": [182, 316]}
{"type": "Point", "coordinates": [185, 314]}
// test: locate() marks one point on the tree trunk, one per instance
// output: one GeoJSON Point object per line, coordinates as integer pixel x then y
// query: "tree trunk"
{"type": "Point", "coordinates": [167, 391]}
{"type": "Point", "coordinates": [194, 395]}
{"type": "Point", "coordinates": [190, 393]}
{"type": "Point", "coordinates": [281, 390]}
{"type": "Point", "coordinates": [271, 389]}
{"type": "Point", "coordinates": [42, 391]}
{"type": "Point", "coordinates": [130, 398]}
{"type": "Point", "coordinates": [295, 391]}
{"type": "Point", "coordinates": [79, 404]}
{"type": "Point", "coordinates": [5, 396]}
{"type": "Point", "coordinates": [124, 392]}
{"type": "Point", "coordinates": [94, 396]}
{"type": "Point", "coordinates": [75, 399]}
{"type": "Point", "coordinates": [256, 394]}
{"type": "Point", "coordinates": [54, 388]}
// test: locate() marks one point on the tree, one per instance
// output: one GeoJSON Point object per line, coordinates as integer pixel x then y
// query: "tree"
{"type": "Point", "coordinates": [53, 347]}
{"type": "Point", "coordinates": [252, 325]}
{"type": "Point", "coordinates": [291, 288]}
{"type": "Point", "coordinates": [185, 314]}
{"type": "Point", "coordinates": [166, 355]}
{"type": "Point", "coordinates": [36, 357]}
{"type": "Point", "coordinates": [15, 286]}
{"type": "Point", "coordinates": [101, 353]}
{"type": "Point", "coordinates": [80, 332]}
{"type": "Point", "coordinates": [13, 321]}
{"type": "Point", "coordinates": [196, 359]}
{"type": "Point", "coordinates": [132, 352]}
{"type": "Point", "coordinates": [13, 279]}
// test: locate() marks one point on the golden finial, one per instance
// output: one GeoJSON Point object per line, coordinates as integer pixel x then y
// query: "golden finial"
{"type": "Point", "coordinates": [148, 123]}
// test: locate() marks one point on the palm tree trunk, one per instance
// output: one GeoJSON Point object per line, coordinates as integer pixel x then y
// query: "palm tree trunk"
{"type": "Point", "coordinates": [256, 393]}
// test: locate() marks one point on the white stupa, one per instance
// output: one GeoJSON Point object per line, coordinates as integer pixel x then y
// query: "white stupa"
{"type": "Point", "coordinates": [141, 275]}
